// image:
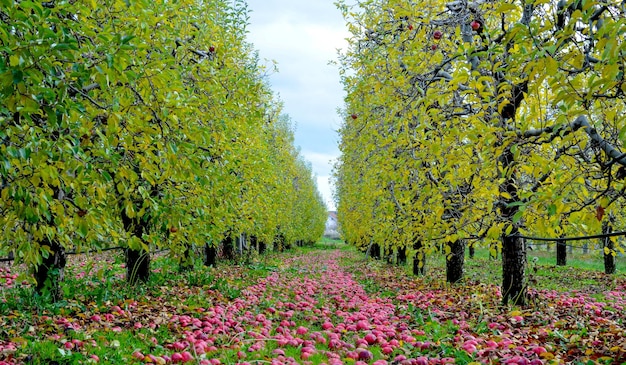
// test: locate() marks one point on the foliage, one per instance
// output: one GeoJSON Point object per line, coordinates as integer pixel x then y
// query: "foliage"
{"type": "Point", "coordinates": [481, 120]}
{"type": "Point", "coordinates": [145, 125]}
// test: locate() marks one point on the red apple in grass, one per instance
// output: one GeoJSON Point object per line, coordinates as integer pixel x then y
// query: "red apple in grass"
{"type": "Point", "coordinates": [475, 25]}
{"type": "Point", "coordinates": [437, 34]}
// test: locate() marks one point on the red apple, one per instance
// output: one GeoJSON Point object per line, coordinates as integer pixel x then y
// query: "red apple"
{"type": "Point", "coordinates": [410, 26]}
{"type": "Point", "coordinates": [370, 338]}
{"type": "Point", "coordinates": [365, 355]}
{"type": "Point", "coordinates": [599, 212]}
{"type": "Point", "coordinates": [475, 25]}
{"type": "Point", "coordinates": [437, 34]}
{"type": "Point", "coordinates": [212, 49]}
{"type": "Point", "coordinates": [354, 116]}
{"type": "Point", "coordinates": [173, 229]}
{"type": "Point", "coordinates": [433, 47]}
{"type": "Point", "coordinates": [177, 357]}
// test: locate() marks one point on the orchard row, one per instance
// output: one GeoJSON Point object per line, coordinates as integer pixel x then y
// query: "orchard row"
{"type": "Point", "coordinates": [479, 122]}
{"type": "Point", "coordinates": [144, 125]}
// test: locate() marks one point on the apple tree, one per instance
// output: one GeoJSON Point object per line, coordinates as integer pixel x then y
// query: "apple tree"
{"type": "Point", "coordinates": [515, 109]}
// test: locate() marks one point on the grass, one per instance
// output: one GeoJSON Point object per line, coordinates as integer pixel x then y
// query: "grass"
{"type": "Point", "coordinates": [94, 285]}
{"type": "Point", "coordinates": [582, 272]}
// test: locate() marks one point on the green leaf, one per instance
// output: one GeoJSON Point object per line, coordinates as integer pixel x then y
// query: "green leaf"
{"type": "Point", "coordinates": [18, 76]}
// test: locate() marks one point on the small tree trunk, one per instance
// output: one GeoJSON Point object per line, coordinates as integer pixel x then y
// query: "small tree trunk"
{"type": "Point", "coordinates": [279, 243]}
{"type": "Point", "coordinates": [561, 253]}
{"type": "Point", "coordinates": [137, 261]}
{"type": "Point", "coordinates": [609, 250]}
{"type": "Point", "coordinates": [375, 251]}
{"type": "Point", "coordinates": [137, 266]}
{"type": "Point", "coordinates": [472, 250]}
{"type": "Point", "coordinates": [402, 255]}
{"type": "Point", "coordinates": [254, 244]}
{"type": "Point", "coordinates": [389, 256]}
{"type": "Point", "coordinates": [455, 261]}
{"type": "Point", "coordinates": [210, 255]}
{"type": "Point", "coordinates": [585, 249]}
{"type": "Point", "coordinates": [513, 269]}
{"type": "Point", "coordinates": [228, 248]}
{"type": "Point", "coordinates": [49, 274]}
{"type": "Point", "coordinates": [186, 262]}
{"type": "Point", "coordinates": [262, 247]}
{"type": "Point", "coordinates": [419, 260]}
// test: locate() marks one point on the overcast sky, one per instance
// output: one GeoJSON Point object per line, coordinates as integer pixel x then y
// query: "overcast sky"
{"type": "Point", "coordinates": [303, 36]}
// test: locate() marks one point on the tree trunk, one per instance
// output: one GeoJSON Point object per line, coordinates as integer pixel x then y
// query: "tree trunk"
{"type": "Point", "coordinates": [513, 247]}
{"type": "Point", "coordinates": [279, 243]}
{"type": "Point", "coordinates": [454, 261]}
{"type": "Point", "coordinates": [561, 253]}
{"type": "Point", "coordinates": [375, 251]}
{"type": "Point", "coordinates": [137, 261]}
{"type": "Point", "coordinates": [513, 269]}
{"type": "Point", "coordinates": [137, 266]}
{"type": "Point", "coordinates": [609, 250]}
{"type": "Point", "coordinates": [254, 243]}
{"type": "Point", "coordinates": [401, 256]}
{"type": "Point", "coordinates": [388, 255]}
{"type": "Point", "coordinates": [210, 255]}
{"type": "Point", "coordinates": [49, 274]}
{"type": "Point", "coordinates": [472, 250]}
{"type": "Point", "coordinates": [228, 248]}
{"type": "Point", "coordinates": [186, 262]}
{"type": "Point", "coordinates": [585, 249]}
{"type": "Point", "coordinates": [262, 247]}
{"type": "Point", "coordinates": [419, 260]}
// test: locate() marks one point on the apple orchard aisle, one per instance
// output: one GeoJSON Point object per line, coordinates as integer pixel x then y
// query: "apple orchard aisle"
{"type": "Point", "coordinates": [312, 311]}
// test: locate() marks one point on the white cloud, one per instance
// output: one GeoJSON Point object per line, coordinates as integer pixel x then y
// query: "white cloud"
{"type": "Point", "coordinates": [303, 36]}
{"type": "Point", "coordinates": [326, 189]}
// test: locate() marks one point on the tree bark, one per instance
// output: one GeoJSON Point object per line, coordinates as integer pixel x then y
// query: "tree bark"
{"type": "Point", "coordinates": [609, 250]}
{"type": "Point", "coordinates": [513, 247]}
{"type": "Point", "coordinates": [137, 266]}
{"type": "Point", "coordinates": [561, 253]}
{"type": "Point", "coordinates": [228, 248]}
{"type": "Point", "coordinates": [49, 274]}
{"type": "Point", "coordinates": [186, 262]}
{"type": "Point", "coordinates": [254, 243]}
{"type": "Point", "coordinates": [401, 256]}
{"type": "Point", "coordinates": [375, 251]}
{"type": "Point", "coordinates": [137, 261]}
{"type": "Point", "coordinates": [472, 250]}
{"type": "Point", "coordinates": [419, 260]}
{"type": "Point", "coordinates": [455, 261]}
{"type": "Point", "coordinates": [513, 269]}
{"type": "Point", "coordinates": [210, 255]}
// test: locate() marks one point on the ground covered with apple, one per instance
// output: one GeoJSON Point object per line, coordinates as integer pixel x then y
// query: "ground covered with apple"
{"type": "Point", "coordinates": [311, 306]}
